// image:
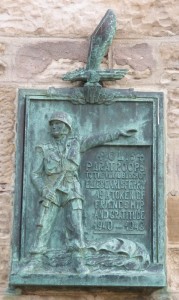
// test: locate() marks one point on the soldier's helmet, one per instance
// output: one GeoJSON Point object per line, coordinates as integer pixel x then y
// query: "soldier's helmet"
{"type": "Point", "coordinates": [63, 117]}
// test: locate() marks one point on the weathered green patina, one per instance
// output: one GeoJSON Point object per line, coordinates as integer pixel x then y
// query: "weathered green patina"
{"type": "Point", "coordinates": [89, 199]}
{"type": "Point", "coordinates": [101, 39]}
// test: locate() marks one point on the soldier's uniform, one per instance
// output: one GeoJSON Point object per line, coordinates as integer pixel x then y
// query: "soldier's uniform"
{"type": "Point", "coordinates": [56, 169]}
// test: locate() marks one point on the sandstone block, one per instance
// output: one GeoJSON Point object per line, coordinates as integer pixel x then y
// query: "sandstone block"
{"type": "Point", "coordinates": [170, 57]}
{"type": "Point", "coordinates": [175, 295]}
{"type": "Point", "coordinates": [173, 113]}
{"type": "Point", "coordinates": [48, 61]}
{"type": "Point", "coordinates": [7, 122]}
{"type": "Point", "coordinates": [4, 265]}
{"type": "Point", "coordinates": [173, 269]}
{"type": "Point", "coordinates": [2, 67]}
{"type": "Point", "coordinates": [172, 170]}
{"type": "Point", "coordinates": [170, 54]}
{"type": "Point", "coordinates": [148, 18]}
{"type": "Point", "coordinates": [2, 48]}
{"type": "Point", "coordinates": [123, 296]}
{"type": "Point", "coordinates": [5, 218]}
{"type": "Point", "coordinates": [138, 58]}
{"type": "Point", "coordinates": [59, 296]}
{"type": "Point", "coordinates": [16, 295]}
{"type": "Point", "coordinates": [161, 294]}
{"type": "Point", "coordinates": [173, 219]}
{"type": "Point", "coordinates": [5, 221]}
{"type": "Point", "coordinates": [170, 77]}
{"type": "Point", "coordinates": [5, 199]}
{"type": "Point", "coordinates": [5, 61]}
{"type": "Point", "coordinates": [70, 296]}
{"type": "Point", "coordinates": [65, 18]}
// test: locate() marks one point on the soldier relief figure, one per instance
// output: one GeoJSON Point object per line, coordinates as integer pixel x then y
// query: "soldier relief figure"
{"type": "Point", "coordinates": [55, 176]}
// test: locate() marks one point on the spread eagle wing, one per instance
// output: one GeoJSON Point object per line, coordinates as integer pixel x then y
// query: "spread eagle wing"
{"type": "Point", "coordinates": [101, 39]}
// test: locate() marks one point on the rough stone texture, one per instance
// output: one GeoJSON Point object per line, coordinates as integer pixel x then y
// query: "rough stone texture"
{"type": "Point", "coordinates": [175, 296]}
{"type": "Point", "coordinates": [4, 61]}
{"type": "Point", "coordinates": [49, 61]}
{"type": "Point", "coordinates": [102, 295]}
{"type": "Point", "coordinates": [172, 167]}
{"type": "Point", "coordinates": [7, 121]}
{"type": "Point", "coordinates": [173, 219]}
{"type": "Point", "coordinates": [66, 18]}
{"type": "Point", "coordinates": [149, 18]}
{"type": "Point", "coordinates": [46, 60]}
{"type": "Point", "coordinates": [5, 230]}
{"type": "Point", "coordinates": [137, 58]}
{"type": "Point", "coordinates": [173, 263]}
{"type": "Point", "coordinates": [170, 56]}
{"type": "Point", "coordinates": [173, 113]}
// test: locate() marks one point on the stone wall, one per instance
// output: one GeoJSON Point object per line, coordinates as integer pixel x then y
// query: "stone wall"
{"type": "Point", "coordinates": [40, 41]}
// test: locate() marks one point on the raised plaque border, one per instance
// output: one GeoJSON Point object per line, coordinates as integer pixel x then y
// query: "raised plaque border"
{"type": "Point", "coordinates": [155, 277]}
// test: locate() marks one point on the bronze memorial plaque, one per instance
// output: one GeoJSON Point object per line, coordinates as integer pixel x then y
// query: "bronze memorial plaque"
{"type": "Point", "coordinates": [89, 198]}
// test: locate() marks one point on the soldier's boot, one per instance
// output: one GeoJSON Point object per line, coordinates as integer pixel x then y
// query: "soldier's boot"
{"type": "Point", "coordinates": [35, 265]}
{"type": "Point", "coordinates": [79, 263]}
